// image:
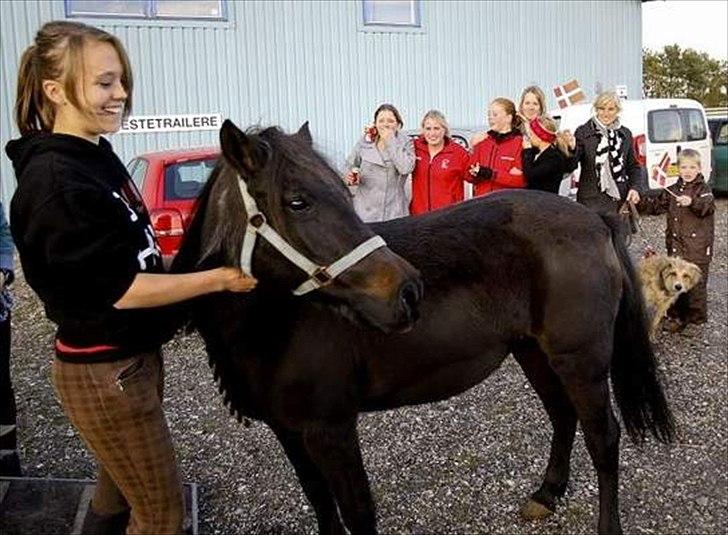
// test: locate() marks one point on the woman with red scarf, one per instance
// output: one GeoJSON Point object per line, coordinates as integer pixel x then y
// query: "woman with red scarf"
{"type": "Point", "coordinates": [496, 161]}
{"type": "Point", "coordinates": [545, 154]}
{"type": "Point", "coordinates": [440, 166]}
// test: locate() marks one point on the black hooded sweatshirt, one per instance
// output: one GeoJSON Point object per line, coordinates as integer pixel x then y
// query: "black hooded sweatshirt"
{"type": "Point", "coordinates": [83, 234]}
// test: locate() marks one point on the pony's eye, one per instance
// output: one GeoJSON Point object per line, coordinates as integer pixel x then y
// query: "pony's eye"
{"type": "Point", "coordinates": [297, 204]}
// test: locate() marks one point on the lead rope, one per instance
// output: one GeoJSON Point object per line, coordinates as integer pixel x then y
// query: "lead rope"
{"type": "Point", "coordinates": [635, 222]}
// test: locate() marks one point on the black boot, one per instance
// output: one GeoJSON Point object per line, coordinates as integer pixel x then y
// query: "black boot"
{"type": "Point", "coordinates": [10, 464]}
{"type": "Point", "coordinates": [97, 524]}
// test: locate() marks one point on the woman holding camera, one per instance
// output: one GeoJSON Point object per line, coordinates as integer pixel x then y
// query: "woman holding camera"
{"type": "Point", "coordinates": [379, 165]}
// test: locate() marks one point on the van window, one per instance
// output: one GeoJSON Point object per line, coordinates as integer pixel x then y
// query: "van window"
{"type": "Point", "coordinates": [670, 126]}
{"type": "Point", "coordinates": [696, 125]}
{"type": "Point", "coordinates": [185, 180]}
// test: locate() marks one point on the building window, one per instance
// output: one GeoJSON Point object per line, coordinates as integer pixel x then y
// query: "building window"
{"type": "Point", "coordinates": [149, 9]}
{"type": "Point", "coordinates": [404, 13]}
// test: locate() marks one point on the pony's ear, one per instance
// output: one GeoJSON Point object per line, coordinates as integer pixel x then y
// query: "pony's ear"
{"type": "Point", "coordinates": [248, 154]}
{"type": "Point", "coordinates": [305, 134]}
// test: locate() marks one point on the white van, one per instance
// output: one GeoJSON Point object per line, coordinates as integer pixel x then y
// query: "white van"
{"type": "Point", "coordinates": [661, 127]}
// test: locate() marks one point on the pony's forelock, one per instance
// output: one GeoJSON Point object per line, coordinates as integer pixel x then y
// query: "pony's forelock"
{"type": "Point", "coordinates": [221, 234]}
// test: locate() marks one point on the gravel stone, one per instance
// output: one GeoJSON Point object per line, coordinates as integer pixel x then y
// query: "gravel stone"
{"type": "Point", "coordinates": [464, 465]}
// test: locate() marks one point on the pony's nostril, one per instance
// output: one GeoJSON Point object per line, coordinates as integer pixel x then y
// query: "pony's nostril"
{"type": "Point", "coordinates": [409, 296]}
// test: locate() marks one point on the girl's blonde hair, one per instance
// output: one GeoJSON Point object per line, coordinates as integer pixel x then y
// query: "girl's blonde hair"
{"type": "Point", "coordinates": [57, 54]}
{"type": "Point", "coordinates": [549, 124]}
{"type": "Point", "coordinates": [510, 108]}
{"type": "Point", "coordinates": [538, 93]}
{"type": "Point", "coordinates": [605, 98]}
{"type": "Point", "coordinates": [439, 117]}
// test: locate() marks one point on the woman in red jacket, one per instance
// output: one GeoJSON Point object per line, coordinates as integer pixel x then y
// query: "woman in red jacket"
{"type": "Point", "coordinates": [496, 162]}
{"type": "Point", "coordinates": [440, 166]}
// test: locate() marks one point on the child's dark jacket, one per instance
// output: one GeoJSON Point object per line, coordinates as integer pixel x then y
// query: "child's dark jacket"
{"type": "Point", "coordinates": [690, 229]}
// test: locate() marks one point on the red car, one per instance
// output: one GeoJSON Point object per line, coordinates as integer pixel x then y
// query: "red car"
{"type": "Point", "coordinates": [169, 182]}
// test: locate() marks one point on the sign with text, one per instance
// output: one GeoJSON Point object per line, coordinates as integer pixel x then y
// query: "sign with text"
{"type": "Point", "coordinates": [171, 123]}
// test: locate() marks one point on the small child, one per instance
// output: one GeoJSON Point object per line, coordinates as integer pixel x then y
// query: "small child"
{"type": "Point", "coordinates": [689, 233]}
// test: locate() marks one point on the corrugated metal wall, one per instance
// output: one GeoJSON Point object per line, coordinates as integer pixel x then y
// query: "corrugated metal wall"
{"type": "Point", "coordinates": [286, 62]}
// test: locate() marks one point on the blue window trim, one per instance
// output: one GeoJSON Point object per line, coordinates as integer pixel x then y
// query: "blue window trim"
{"type": "Point", "coordinates": [384, 27]}
{"type": "Point", "coordinates": [152, 19]}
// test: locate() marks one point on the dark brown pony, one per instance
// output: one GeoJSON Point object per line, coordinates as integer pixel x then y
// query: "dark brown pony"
{"type": "Point", "coordinates": [524, 273]}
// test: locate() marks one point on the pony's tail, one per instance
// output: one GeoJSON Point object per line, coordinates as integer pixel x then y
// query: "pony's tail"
{"type": "Point", "coordinates": [635, 381]}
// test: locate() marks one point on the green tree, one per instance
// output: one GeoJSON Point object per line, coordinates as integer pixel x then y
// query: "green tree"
{"type": "Point", "coordinates": [677, 73]}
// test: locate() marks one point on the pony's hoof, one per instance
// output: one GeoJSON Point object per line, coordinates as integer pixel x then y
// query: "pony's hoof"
{"type": "Point", "coordinates": [532, 510]}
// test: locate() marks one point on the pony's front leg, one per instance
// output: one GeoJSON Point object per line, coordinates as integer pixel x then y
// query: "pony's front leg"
{"type": "Point", "coordinates": [312, 480]}
{"type": "Point", "coordinates": [335, 450]}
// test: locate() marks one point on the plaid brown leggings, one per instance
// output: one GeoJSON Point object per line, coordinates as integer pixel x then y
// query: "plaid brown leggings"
{"type": "Point", "coordinates": [117, 409]}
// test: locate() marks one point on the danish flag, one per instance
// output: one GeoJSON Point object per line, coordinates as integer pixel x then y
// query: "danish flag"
{"type": "Point", "coordinates": [568, 94]}
{"type": "Point", "coordinates": [659, 171]}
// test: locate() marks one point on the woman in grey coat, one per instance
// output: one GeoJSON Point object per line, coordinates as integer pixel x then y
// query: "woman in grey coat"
{"type": "Point", "coordinates": [379, 165]}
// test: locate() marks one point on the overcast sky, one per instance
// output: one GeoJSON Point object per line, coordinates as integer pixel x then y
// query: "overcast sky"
{"type": "Point", "coordinates": [701, 25]}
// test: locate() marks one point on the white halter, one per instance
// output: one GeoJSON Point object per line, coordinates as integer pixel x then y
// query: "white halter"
{"type": "Point", "coordinates": [318, 275]}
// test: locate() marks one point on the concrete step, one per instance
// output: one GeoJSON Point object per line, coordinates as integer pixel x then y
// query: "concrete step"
{"type": "Point", "coordinates": [55, 506]}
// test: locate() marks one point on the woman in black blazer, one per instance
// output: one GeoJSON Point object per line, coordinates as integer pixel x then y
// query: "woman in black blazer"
{"type": "Point", "coordinates": [610, 173]}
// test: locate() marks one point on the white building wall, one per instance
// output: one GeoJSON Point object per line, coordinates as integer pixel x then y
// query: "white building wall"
{"type": "Point", "coordinates": [285, 62]}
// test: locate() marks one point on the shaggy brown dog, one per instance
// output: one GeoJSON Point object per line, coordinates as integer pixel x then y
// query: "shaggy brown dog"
{"type": "Point", "coordinates": [664, 278]}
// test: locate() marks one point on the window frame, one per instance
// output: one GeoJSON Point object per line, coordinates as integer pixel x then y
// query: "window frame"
{"type": "Point", "coordinates": [152, 19]}
{"type": "Point", "coordinates": [392, 27]}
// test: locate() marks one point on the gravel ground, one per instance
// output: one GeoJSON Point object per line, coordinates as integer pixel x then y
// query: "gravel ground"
{"type": "Point", "coordinates": [460, 466]}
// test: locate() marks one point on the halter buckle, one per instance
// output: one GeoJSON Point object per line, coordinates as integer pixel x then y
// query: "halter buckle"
{"type": "Point", "coordinates": [258, 220]}
{"type": "Point", "coordinates": [322, 277]}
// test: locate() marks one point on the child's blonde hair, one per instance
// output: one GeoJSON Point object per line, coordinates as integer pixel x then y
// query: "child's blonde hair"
{"type": "Point", "coordinates": [57, 54]}
{"type": "Point", "coordinates": [689, 154]}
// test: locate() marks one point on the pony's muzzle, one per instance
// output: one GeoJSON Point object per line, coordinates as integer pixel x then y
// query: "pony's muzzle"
{"type": "Point", "coordinates": [678, 287]}
{"type": "Point", "coordinates": [388, 290]}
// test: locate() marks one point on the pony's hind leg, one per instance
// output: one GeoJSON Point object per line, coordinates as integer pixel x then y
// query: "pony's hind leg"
{"type": "Point", "coordinates": [585, 378]}
{"type": "Point", "coordinates": [561, 412]}
{"type": "Point", "coordinates": [312, 480]}
{"type": "Point", "coordinates": [335, 450]}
